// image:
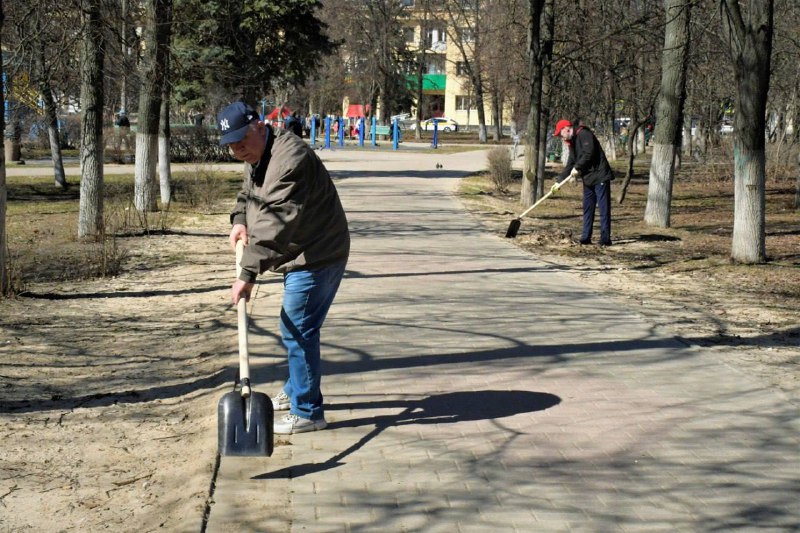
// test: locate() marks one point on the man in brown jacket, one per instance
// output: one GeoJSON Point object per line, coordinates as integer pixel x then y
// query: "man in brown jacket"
{"type": "Point", "coordinates": [290, 218]}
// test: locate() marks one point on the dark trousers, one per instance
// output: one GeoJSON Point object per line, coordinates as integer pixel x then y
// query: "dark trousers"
{"type": "Point", "coordinates": [597, 195]}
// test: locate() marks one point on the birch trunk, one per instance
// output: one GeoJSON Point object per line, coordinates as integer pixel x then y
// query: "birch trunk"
{"type": "Point", "coordinates": [156, 41]}
{"type": "Point", "coordinates": [13, 151]}
{"type": "Point", "coordinates": [480, 99]}
{"type": "Point", "coordinates": [90, 211]}
{"type": "Point", "coordinates": [55, 140]}
{"type": "Point", "coordinates": [530, 165]}
{"type": "Point", "coordinates": [496, 130]}
{"type": "Point", "coordinates": [164, 167]}
{"type": "Point", "coordinates": [751, 51]}
{"type": "Point", "coordinates": [50, 111]}
{"type": "Point", "coordinates": [669, 113]}
{"type": "Point", "coordinates": [547, 37]}
{"type": "Point", "coordinates": [4, 283]}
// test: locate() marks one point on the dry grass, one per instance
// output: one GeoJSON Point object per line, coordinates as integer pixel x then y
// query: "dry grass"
{"type": "Point", "coordinates": [42, 224]}
{"type": "Point", "coordinates": [681, 278]}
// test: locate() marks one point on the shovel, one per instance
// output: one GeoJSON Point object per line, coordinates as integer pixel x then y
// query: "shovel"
{"type": "Point", "coordinates": [513, 228]}
{"type": "Point", "coordinates": [244, 417]}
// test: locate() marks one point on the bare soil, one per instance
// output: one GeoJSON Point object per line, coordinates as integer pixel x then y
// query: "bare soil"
{"type": "Point", "coordinates": [109, 386]}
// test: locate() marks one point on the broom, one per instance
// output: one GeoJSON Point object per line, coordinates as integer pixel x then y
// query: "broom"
{"type": "Point", "coordinates": [513, 228]}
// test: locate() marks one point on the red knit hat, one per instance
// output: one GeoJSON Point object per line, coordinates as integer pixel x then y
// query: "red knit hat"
{"type": "Point", "coordinates": [560, 125]}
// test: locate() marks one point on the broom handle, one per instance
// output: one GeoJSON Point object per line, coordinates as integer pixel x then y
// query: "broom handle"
{"type": "Point", "coordinates": [244, 358]}
{"type": "Point", "coordinates": [545, 197]}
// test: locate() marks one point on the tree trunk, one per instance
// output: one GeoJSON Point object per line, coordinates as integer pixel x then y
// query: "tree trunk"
{"type": "Point", "coordinates": [610, 136]}
{"type": "Point", "coordinates": [547, 37]}
{"type": "Point", "coordinates": [633, 129]}
{"type": "Point", "coordinates": [477, 81]}
{"type": "Point", "coordinates": [90, 216]}
{"type": "Point", "coordinates": [496, 133]}
{"type": "Point", "coordinates": [750, 40]}
{"type": "Point", "coordinates": [541, 161]}
{"type": "Point", "coordinates": [686, 144]}
{"type": "Point", "coordinates": [13, 152]}
{"type": "Point", "coordinates": [530, 165]}
{"type": "Point", "coordinates": [669, 113]}
{"type": "Point", "coordinates": [55, 141]}
{"type": "Point", "coordinates": [641, 144]}
{"type": "Point", "coordinates": [629, 170]}
{"type": "Point", "coordinates": [480, 99]}
{"type": "Point", "coordinates": [797, 185]}
{"type": "Point", "coordinates": [50, 111]}
{"type": "Point", "coordinates": [421, 59]}
{"type": "Point", "coordinates": [164, 168]}
{"type": "Point", "coordinates": [156, 41]}
{"type": "Point", "coordinates": [125, 49]}
{"type": "Point", "coordinates": [4, 282]}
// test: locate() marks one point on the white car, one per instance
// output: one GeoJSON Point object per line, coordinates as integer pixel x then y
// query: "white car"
{"type": "Point", "coordinates": [444, 124]}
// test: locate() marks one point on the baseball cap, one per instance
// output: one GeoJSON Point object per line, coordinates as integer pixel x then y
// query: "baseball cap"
{"type": "Point", "coordinates": [233, 122]}
{"type": "Point", "coordinates": [560, 125]}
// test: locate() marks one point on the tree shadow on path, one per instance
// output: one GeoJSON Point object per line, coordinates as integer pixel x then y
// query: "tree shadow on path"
{"type": "Point", "coordinates": [447, 408]}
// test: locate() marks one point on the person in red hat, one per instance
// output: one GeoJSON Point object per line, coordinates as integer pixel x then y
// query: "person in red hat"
{"type": "Point", "coordinates": [587, 162]}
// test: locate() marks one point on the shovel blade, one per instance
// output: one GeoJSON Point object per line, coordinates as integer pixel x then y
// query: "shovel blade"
{"type": "Point", "coordinates": [513, 228]}
{"type": "Point", "coordinates": [244, 425]}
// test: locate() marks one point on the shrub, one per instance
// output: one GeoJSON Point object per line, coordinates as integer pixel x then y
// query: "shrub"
{"type": "Point", "coordinates": [200, 189]}
{"type": "Point", "coordinates": [196, 144]}
{"type": "Point", "coordinates": [500, 169]}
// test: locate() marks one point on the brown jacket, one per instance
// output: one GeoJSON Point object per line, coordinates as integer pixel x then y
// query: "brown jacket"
{"type": "Point", "coordinates": [292, 211]}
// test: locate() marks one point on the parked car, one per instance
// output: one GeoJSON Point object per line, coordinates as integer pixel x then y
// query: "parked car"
{"type": "Point", "coordinates": [445, 124]}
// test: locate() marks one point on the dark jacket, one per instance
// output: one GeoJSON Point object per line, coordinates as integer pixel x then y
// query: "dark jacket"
{"type": "Point", "coordinates": [292, 211]}
{"type": "Point", "coordinates": [293, 124]}
{"type": "Point", "coordinates": [586, 155]}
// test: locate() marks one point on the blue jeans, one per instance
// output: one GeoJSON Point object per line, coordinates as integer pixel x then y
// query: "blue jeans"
{"type": "Point", "coordinates": [597, 195]}
{"type": "Point", "coordinates": [307, 296]}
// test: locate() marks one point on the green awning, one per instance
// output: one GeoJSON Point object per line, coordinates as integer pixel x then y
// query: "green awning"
{"type": "Point", "coordinates": [430, 82]}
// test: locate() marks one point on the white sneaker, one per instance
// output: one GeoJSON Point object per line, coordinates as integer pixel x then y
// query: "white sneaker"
{"type": "Point", "coordinates": [281, 402]}
{"type": "Point", "coordinates": [289, 424]}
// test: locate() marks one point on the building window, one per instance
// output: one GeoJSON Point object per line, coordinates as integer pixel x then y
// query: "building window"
{"type": "Point", "coordinates": [409, 34]}
{"type": "Point", "coordinates": [461, 68]}
{"type": "Point", "coordinates": [464, 103]}
{"type": "Point", "coordinates": [434, 36]}
{"type": "Point", "coordinates": [407, 3]}
{"type": "Point", "coordinates": [435, 65]}
{"type": "Point", "coordinates": [466, 35]}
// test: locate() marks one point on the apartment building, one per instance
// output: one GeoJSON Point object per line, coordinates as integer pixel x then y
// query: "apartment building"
{"type": "Point", "coordinates": [447, 90]}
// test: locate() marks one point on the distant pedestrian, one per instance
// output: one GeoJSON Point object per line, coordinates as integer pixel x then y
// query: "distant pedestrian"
{"type": "Point", "coordinates": [290, 218]}
{"type": "Point", "coordinates": [294, 124]}
{"type": "Point", "coordinates": [587, 162]}
{"type": "Point", "coordinates": [124, 125]}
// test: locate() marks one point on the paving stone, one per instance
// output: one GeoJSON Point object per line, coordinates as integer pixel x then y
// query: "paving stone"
{"type": "Point", "coordinates": [472, 387]}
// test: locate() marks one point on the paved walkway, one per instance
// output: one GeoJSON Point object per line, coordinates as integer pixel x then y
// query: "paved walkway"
{"type": "Point", "coordinates": [472, 387]}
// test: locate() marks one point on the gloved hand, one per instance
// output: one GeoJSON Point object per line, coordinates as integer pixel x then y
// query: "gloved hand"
{"type": "Point", "coordinates": [554, 189]}
{"type": "Point", "coordinates": [575, 174]}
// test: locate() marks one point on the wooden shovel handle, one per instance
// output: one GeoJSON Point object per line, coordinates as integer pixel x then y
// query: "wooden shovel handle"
{"type": "Point", "coordinates": [545, 197]}
{"type": "Point", "coordinates": [244, 358]}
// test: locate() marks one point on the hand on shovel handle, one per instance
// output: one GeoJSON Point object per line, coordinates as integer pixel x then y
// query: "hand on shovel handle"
{"type": "Point", "coordinates": [244, 418]}
{"type": "Point", "coordinates": [241, 308]}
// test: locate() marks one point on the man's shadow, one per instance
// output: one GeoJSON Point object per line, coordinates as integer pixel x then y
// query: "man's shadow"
{"type": "Point", "coordinates": [438, 409]}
